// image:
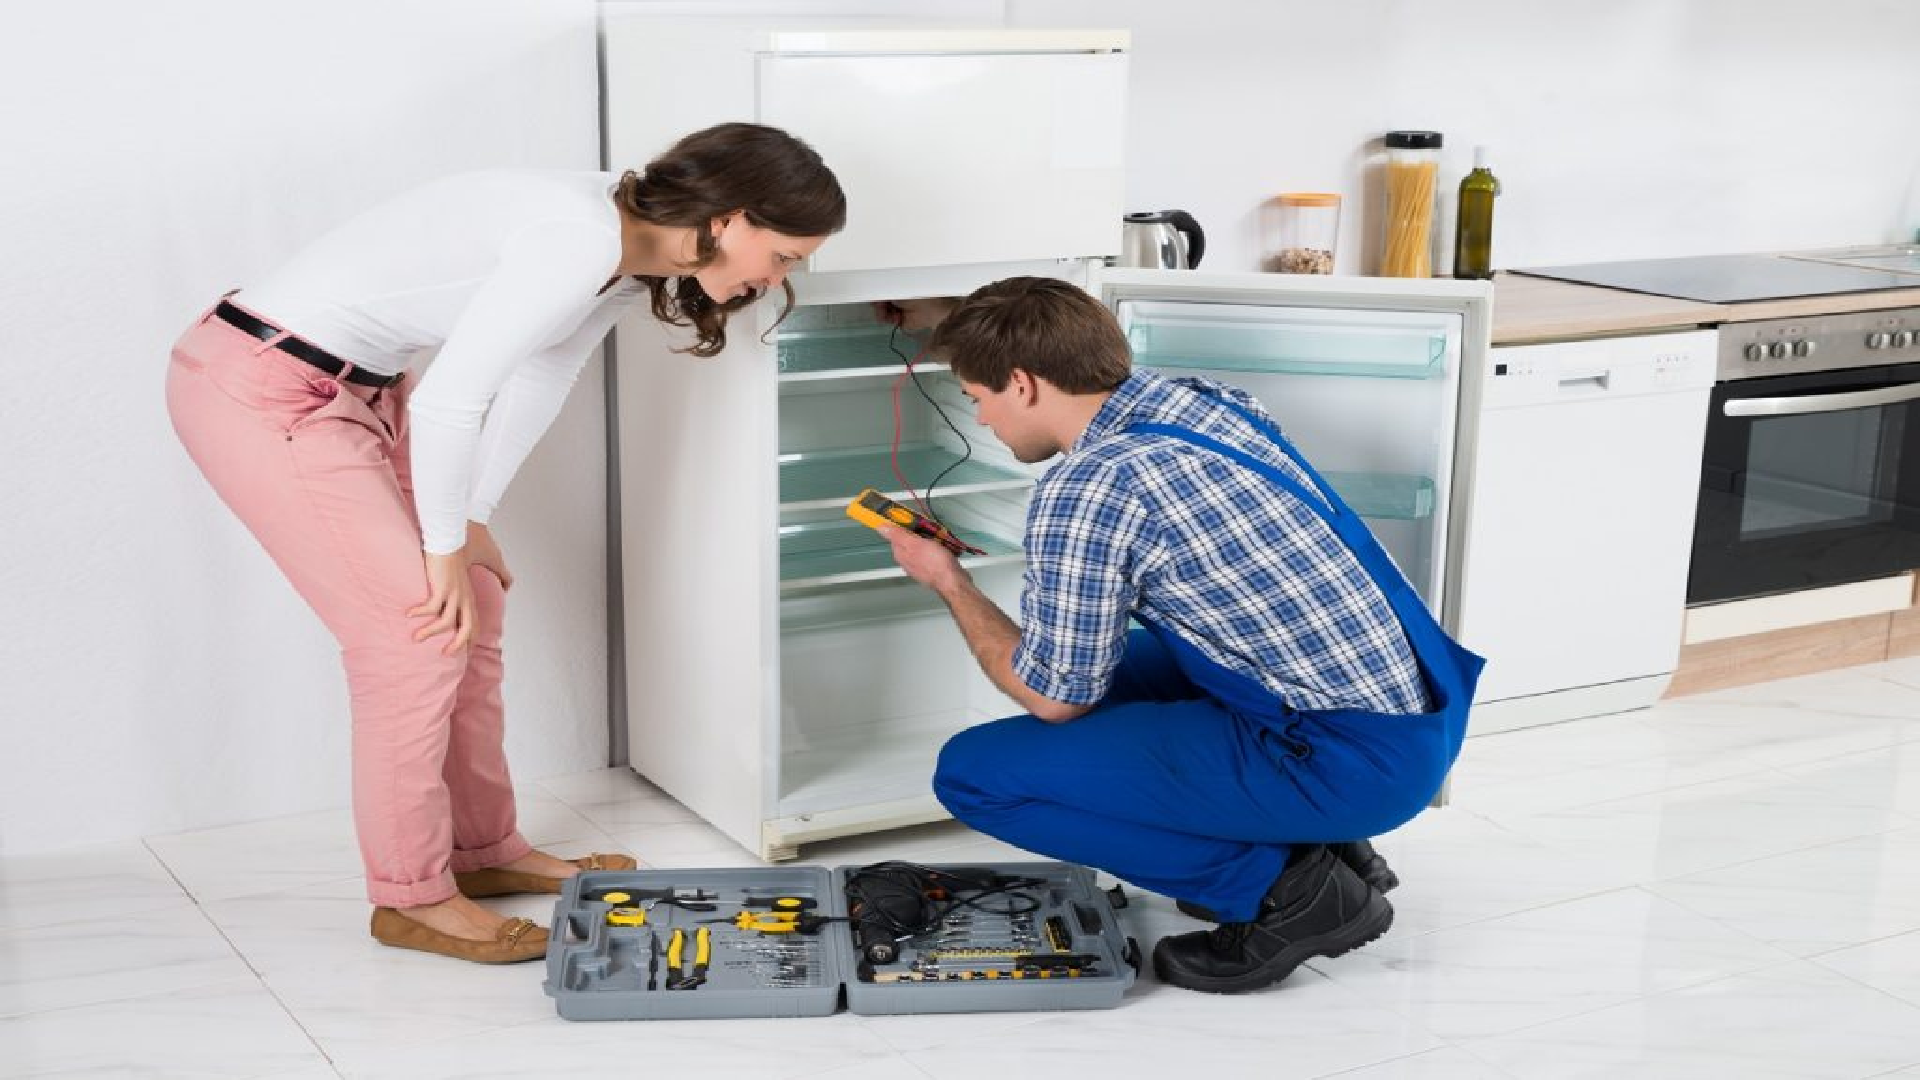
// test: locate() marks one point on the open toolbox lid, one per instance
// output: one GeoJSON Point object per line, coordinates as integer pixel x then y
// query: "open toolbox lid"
{"type": "Point", "coordinates": [1056, 943]}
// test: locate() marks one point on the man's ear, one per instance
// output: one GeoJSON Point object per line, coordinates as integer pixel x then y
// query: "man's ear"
{"type": "Point", "coordinates": [1023, 380]}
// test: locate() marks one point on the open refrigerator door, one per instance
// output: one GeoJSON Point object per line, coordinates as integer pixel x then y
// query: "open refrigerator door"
{"type": "Point", "coordinates": [1370, 378]}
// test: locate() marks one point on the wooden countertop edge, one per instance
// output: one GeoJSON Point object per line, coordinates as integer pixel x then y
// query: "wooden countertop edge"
{"type": "Point", "coordinates": [1529, 309]}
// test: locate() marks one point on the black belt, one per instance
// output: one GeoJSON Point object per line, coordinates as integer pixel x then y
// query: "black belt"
{"type": "Point", "coordinates": [299, 349]}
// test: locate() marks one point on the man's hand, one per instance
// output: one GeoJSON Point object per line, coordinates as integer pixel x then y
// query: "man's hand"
{"type": "Point", "coordinates": [449, 601]}
{"type": "Point", "coordinates": [483, 551]}
{"type": "Point", "coordinates": [929, 562]}
{"type": "Point", "coordinates": [911, 315]}
{"type": "Point", "coordinates": [990, 635]}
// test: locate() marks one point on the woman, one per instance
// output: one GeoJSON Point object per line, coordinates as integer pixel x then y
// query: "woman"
{"type": "Point", "coordinates": [373, 495]}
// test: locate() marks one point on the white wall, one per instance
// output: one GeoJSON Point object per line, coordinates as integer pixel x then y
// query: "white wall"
{"type": "Point", "coordinates": [156, 672]}
{"type": "Point", "coordinates": [1624, 129]}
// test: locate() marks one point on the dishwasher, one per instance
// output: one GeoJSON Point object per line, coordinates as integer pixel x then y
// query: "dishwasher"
{"type": "Point", "coordinates": [1584, 483]}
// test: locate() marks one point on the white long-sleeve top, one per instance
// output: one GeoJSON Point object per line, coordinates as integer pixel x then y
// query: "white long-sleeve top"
{"type": "Point", "coordinates": [502, 272]}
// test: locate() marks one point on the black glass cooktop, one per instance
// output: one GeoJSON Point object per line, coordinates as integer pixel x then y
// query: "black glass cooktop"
{"type": "Point", "coordinates": [1729, 279]}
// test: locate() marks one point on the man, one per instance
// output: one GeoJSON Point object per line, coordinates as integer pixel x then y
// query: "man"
{"type": "Point", "coordinates": [1288, 694]}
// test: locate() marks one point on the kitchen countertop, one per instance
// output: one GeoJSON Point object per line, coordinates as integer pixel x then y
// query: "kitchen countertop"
{"type": "Point", "coordinates": [1540, 309]}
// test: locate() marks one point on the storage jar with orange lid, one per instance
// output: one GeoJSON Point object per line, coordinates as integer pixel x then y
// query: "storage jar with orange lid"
{"type": "Point", "coordinates": [1304, 231]}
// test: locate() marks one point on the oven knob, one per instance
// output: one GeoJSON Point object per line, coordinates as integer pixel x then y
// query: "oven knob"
{"type": "Point", "coordinates": [1903, 339]}
{"type": "Point", "coordinates": [1777, 350]}
{"type": "Point", "coordinates": [1804, 348]}
{"type": "Point", "coordinates": [1877, 340]}
{"type": "Point", "coordinates": [1756, 351]}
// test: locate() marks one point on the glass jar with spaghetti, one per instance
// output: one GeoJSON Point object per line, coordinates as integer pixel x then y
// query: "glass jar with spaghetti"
{"type": "Point", "coordinates": [1412, 175]}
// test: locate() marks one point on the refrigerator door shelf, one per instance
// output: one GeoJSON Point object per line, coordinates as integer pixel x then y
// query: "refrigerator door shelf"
{"type": "Point", "coordinates": [1231, 337]}
{"type": "Point", "coordinates": [1386, 496]}
{"type": "Point", "coordinates": [828, 479]}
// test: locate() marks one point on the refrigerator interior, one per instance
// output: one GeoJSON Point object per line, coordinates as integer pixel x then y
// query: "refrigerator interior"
{"type": "Point", "coordinates": [1367, 396]}
{"type": "Point", "coordinates": [873, 673]}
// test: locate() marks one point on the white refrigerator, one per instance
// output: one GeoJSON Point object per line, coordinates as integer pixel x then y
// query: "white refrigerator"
{"type": "Point", "coordinates": [783, 678]}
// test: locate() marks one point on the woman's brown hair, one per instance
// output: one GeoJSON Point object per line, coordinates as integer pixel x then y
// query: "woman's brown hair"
{"type": "Point", "coordinates": [779, 181]}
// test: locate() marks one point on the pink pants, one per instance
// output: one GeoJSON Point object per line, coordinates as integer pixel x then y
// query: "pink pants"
{"type": "Point", "coordinates": [318, 470]}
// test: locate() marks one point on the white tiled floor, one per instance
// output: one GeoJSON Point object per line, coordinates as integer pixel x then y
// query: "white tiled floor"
{"type": "Point", "coordinates": [1726, 886]}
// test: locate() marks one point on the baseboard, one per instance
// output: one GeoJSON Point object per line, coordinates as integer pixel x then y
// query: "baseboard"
{"type": "Point", "coordinates": [1779, 654]}
{"type": "Point", "coordinates": [1513, 714]}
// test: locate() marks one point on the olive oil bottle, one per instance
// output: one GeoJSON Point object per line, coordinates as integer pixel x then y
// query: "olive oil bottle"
{"type": "Point", "coordinates": [1473, 232]}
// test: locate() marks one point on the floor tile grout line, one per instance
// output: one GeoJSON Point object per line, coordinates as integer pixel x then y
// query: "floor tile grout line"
{"type": "Point", "coordinates": [1635, 795]}
{"type": "Point", "coordinates": [1881, 990]}
{"type": "Point", "coordinates": [1639, 886]}
{"type": "Point", "coordinates": [892, 1054]}
{"type": "Point", "coordinates": [1909, 932]}
{"type": "Point", "coordinates": [1445, 1044]}
{"type": "Point", "coordinates": [1467, 1044]}
{"type": "Point", "coordinates": [1782, 854]}
{"type": "Point", "coordinates": [1646, 795]}
{"type": "Point", "coordinates": [261, 978]}
{"type": "Point", "coordinates": [1723, 923]}
{"type": "Point", "coordinates": [1906, 822]}
{"type": "Point", "coordinates": [1782, 959]}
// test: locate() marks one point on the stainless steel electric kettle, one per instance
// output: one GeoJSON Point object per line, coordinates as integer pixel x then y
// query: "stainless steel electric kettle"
{"type": "Point", "coordinates": [1161, 240]}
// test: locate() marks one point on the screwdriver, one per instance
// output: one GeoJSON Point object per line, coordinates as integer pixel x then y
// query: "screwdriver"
{"type": "Point", "coordinates": [653, 960]}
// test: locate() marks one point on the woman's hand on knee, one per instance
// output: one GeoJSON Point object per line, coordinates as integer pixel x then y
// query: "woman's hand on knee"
{"type": "Point", "coordinates": [449, 602]}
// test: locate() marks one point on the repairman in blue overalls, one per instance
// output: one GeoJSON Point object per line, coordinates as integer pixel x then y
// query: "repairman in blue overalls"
{"type": "Point", "coordinates": [1289, 696]}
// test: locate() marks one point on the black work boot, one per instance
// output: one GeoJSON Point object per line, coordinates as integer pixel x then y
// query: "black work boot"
{"type": "Point", "coordinates": [1358, 854]}
{"type": "Point", "coordinates": [1368, 863]}
{"type": "Point", "coordinates": [1318, 907]}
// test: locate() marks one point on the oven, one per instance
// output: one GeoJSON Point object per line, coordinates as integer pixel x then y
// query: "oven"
{"type": "Point", "coordinates": [1811, 472]}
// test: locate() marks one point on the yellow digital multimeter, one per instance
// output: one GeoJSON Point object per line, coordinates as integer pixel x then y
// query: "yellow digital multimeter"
{"type": "Point", "coordinates": [872, 509]}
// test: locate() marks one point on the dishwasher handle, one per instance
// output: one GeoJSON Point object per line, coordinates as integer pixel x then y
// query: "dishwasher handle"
{"type": "Point", "coordinates": [1820, 403]}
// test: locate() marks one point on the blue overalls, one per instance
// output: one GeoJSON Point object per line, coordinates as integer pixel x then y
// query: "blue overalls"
{"type": "Point", "coordinates": [1191, 780]}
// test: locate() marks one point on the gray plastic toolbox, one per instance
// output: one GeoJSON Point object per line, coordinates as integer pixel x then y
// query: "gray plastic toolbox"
{"type": "Point", "coordinates": [1055, 944]}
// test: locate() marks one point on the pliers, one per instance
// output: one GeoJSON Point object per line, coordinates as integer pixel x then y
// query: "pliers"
{"type": "Point", "coordinates": [702, 952]}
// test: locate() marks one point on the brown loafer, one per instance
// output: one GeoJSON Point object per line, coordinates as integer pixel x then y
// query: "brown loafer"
{"type": "Point", "coordinates": [497, 882]}
{"type": "Point", "coordinates": [515, 941]}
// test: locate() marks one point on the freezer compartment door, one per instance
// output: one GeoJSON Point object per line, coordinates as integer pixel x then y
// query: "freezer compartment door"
{"type": "Point", "coordinates": [1364, 381]}
{"type": "Point", "coordinates": [959, 158]}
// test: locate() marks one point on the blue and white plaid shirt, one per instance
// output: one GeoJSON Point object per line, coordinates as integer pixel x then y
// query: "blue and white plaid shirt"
{"type": "Point", "coordinates": [1205, 548]}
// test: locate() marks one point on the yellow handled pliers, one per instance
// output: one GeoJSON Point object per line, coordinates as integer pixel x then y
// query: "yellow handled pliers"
{"type": "Point", "coordinates": [676, 951]}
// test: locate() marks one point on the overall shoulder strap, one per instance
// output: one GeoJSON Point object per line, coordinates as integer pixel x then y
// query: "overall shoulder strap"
{"type": "Point", "coordinates": [1330, 508]}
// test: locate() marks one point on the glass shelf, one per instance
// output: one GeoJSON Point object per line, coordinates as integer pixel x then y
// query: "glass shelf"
{"type": "Point", "coordinates": [841, 352]}
{"type": "Point", "coordinates": [1253, 343]}
{"type": "Point", "coordinates": [841, 551]}
{"type": "Point", "coordinates": [1385, 496]}
{"type": "Point", "coordinates": [823, 479]}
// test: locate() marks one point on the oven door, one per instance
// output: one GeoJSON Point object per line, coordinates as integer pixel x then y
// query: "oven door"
{"type": "Point", "coordinates": [1809, 480]}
